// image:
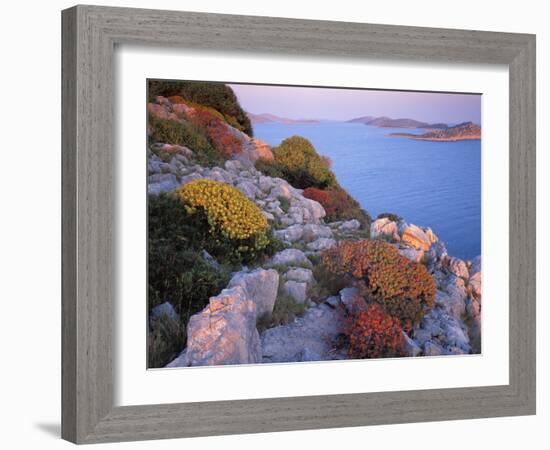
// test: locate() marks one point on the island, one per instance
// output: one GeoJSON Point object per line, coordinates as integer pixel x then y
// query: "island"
{"type": "Point", "coordinates": [461, 132]}
{"type": "Point", "coordinates": [388, 122]}
{"type": "Point", "coordinates": [272, 118]}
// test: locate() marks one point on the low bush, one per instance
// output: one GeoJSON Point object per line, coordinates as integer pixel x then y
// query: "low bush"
{"type": "Point", "coordinates": [217, 131]}
{"type": "Point", "coordinates": [404, 288]}
{"type": "Point", "coordinates": [391, 216]}
{"type": "Point", "coordinates": [373, 333]}
{"type": "Point", "coordinates": [284, 202]}
{"type": "Point", "coordinates": [338, 205]}
{"type": "Point", "coordinates": [297, 161]}
{"type": "Point", "coordinates": [164, 342]}
{"type": "Point", "coordinates": [177, 272]}
{"type": "Point", "coordinates": [187, 134]}
{"type": "Point", "coordinates": [235, 225]}
{"type": "Point", "coordinates": [285, 310]}
{"type": "Point", "coordinates": [214, 95]}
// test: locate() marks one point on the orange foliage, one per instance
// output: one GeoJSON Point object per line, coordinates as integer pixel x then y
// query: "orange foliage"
{"type": "Point", "coordinates": [405, 288]}
{"type": "Point", "coordinates": [373, 333]}
{"type": "Point", "coordinates": [176, 99]}
{"type": "Point", "coordinates": [217, 130]}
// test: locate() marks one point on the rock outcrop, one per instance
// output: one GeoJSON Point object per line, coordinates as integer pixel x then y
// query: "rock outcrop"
{"type": "Point", "coordinates": [309, 338]}
{"type": "Point", "coordinates": [261, 286]}
{"type": "Point", "coordinates": [223, 333]}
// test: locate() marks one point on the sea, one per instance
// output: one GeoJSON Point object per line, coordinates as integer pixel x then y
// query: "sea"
{"type": "Point", "coordinates": [430, 184]}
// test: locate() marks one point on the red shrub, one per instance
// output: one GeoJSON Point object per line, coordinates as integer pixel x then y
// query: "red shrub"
{"type": "Point", "coordinates": [338, 204]}
{"type": "Point", "coordinates": [405, 288]}
{"type": "Point", "coordinates": [217, 130]}
{"type": "Point", "coordinates": [373, 333]}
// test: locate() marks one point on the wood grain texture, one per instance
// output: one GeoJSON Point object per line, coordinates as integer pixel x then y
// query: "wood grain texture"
{"type": "Point", "coordinates": [89, 36]}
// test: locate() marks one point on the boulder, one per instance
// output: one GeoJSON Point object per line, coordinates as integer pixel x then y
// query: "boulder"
{"type": "Point", "coordinates": [233, 165]}
{"type": "Point", "coordinates": [474, 283]}
{"type": "Point", "coordinates": [416, 237]}
{"type": "Point", "coordinates": [224, 332]}
{"type": "Point", "coordinates": [412, 253]}
{"type": "Point", "coordinates": [163, 310]}
{"type": "Point", "coordinates": [281, 189]}
{"type": "Point", "coordinates": [249, 189]}
{"type": "Point", "coordinates": [308, 338]}
{"type": "Point", "coordinates": [411, 347]}
{"type": "Point", "coordinates": [456, 292]}
{"type": "Point", "coordinates": [290, 234]}
{"type": "Point", "coordinates": [433, 349]}
{"type": "Point", "coordinates": [161, 111]}
{"type": "Point", "coordinates": [458, 267]}
{"type": "Point", "coordinates": [165, 182]}
{"type": "Point", "coordinates": [314, 212]}
{"type": "Point", "coordinates": [311, 232]}
{"type": "Point", "coordinates": [290, 257]}
{"type": "Point", "coordinates": [257, 149]}
{"type": "Point", "coordinates": [300, 274]}
{"type": "Point", "coordinates": [321, 244]}
{"type": "Point", "coordinates": [352, 300]}
{"type": "Point", "coordinates": [350, 225]}
{"type": "Point", "coordinates": [437, 252]}
{"type": "Point", "coordinates": [447, 333]}
{"type": "Point", "coordinates": [454, 305]}
{"type": "Point", "coordinates": [297, 290]}
{"type": "Point", "coordinates": [384, 228]}
{"type": "Point", "coordinates": [260, 286]}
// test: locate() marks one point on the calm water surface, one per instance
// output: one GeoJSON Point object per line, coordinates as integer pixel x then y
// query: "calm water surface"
{"type": "Point", "coordinates": [435, 184]}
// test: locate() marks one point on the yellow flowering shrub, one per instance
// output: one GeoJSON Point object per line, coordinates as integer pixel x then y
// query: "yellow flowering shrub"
{"type": "Point", "coordinates": [230, 215]}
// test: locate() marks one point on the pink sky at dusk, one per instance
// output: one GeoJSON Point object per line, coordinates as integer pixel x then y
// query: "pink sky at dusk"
{"type": "Point", "coordinates": [344, 104]}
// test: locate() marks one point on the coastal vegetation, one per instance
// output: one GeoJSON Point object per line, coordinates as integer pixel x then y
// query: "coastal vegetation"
{"type": "Point", "coordinates": [296, 160]}
{"type": "Point", "coordinates": [209, 94]}
{"type": "Point", "coordinates": [258, 254]}
{"type": "Point", "coordinates": [234, 227]}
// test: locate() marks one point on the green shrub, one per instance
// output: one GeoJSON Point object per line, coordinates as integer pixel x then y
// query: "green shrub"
{"type": "Point", "coordinates": [297, 161]}
{"type": "Point", "coordinates": [285, 310]}
{"type": "Point", "coordinates": [284, 202]}
{"type": "Point", "coordinates": [177, 272]}
{"type": "Point", "coordinates": [215, 95]}
{"type": "Point", "coordinates": [187, 134]}
{"type": "Point", "coordinates": [269, 168]}
{"type": "Point", "coordinates": [404, 288]}
{"type": "Point", "coordinates": [164, 342]}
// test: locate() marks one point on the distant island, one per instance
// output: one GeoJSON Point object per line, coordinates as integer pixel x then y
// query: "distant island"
{"type": "Point", "coordinates": [388, 122]}
{"type": "Point", "coordinates": [272, 118]}
{"type": "Point", "coordinates": [461, 132]}
{"type": "Point", "coordinates": [363, 119]}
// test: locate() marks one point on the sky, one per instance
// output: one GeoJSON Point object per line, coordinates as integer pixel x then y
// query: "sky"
{"type": "Point", "coordinates": [344, 104]}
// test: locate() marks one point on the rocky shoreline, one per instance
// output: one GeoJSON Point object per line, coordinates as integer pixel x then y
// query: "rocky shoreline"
{"type": "Point", "coordinates": [226, 330]}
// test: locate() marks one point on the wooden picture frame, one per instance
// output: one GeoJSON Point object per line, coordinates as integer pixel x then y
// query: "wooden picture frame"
{"type": "Point", "coordinates": [90, 34]}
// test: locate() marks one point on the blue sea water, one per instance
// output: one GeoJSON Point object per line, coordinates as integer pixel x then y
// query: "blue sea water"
{"type": "Point", "coordinates": [435, 184]}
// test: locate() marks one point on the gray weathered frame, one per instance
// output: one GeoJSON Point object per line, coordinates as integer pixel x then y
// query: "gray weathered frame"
{"type": "Point", "coordinates": [89, 36]}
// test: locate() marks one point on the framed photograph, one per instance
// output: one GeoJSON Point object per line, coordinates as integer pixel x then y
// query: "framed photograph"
{"type": "Point", "coordinates": [335, 219]}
